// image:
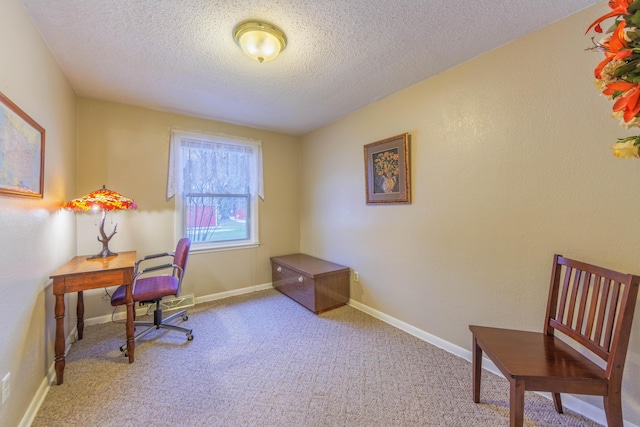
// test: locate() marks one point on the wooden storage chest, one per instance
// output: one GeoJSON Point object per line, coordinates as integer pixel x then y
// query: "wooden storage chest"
{"type": "Point", "coordinates": [317, 284]}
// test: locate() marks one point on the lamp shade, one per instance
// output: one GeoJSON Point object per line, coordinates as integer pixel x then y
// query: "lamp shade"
{"type": "Point", "coordinates": [259, 40]}
{"type": "Point", "coordinates": [101, 200]}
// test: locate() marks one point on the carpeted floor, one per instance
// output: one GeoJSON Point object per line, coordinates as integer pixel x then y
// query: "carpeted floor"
{"type": "Point", "coordinates": [261, 359]}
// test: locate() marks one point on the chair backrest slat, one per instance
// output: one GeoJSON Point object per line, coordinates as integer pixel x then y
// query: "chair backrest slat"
{"type": "Point", "coordinates": [582, 304]}
{"type": "Point", "coordinates": [593, 306]}
{"type": "Point", "coordinates": [612, 307]}
{"type": "Point", "coordinates": [602, 310]}
{"type": "Point", "coordinates": [574, 294]}
{"type": "Point", "coordinates": [564, 290]}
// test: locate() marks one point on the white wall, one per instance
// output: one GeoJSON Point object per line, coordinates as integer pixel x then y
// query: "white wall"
{"type": "Point", "coordinates": [35, 236]}
{"type": "Point", "coordinates": [510, 164]}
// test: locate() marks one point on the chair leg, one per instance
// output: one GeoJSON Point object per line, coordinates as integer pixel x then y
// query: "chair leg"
{"type": "Point", "coordinates": [557, 402]}
{"type": "Point", "coordinates": [150, 327]}
{"type": "Point", "coordinates": [164, 323]}
{"type": "Point", "coordinates": [516, 410]}
{"type": "Point", "coordinates": [159, 322]}
{"type": "Point", "coordinates": [613, 409]}
{"type": "Point", "coordinates": [182, 313]}
{"type": "Point", "coordinates": [477, 370]}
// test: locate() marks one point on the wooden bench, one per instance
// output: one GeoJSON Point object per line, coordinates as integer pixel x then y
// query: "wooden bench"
{"type": "Point", "coordinates": [591, 306]}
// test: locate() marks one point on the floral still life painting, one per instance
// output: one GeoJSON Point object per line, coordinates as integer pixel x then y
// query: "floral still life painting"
{"type": "Point", "coordinates": [618, 74]}
{"type": "Point", "coordinates": [387, 167]}
{"type": "Point", "coordinates": [387, 170]}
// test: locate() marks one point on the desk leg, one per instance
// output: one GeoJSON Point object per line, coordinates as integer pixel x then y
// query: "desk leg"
{"type": "Point", "coordinates": [80, 314]}
{"type": "Point", "coordinates": [131, 344]}
{"type": "Point", "coordinates": [59, 345]}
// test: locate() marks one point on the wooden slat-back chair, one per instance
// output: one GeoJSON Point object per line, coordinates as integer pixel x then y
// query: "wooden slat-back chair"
{"type": "Point", "coordinates": [589, 305]}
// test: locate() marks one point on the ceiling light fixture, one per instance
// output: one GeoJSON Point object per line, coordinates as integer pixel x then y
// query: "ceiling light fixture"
{"type": "Point", "coordinates": [259, 40]}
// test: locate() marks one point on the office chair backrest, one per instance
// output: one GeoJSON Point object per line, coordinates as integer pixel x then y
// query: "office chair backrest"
{"type": "Point", "coordinates": [181, 256]}
{"type": "Point", "coordinates": [595, 307]}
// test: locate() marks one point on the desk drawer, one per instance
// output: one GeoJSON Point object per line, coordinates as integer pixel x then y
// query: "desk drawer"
{"type": "Point", "coordinates": [93, 280]}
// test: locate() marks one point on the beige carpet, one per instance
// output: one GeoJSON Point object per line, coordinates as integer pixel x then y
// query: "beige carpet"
{"type": "Point", "coordinates": [263, 360]}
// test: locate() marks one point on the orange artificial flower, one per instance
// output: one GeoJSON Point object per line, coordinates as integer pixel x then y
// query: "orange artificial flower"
{"type": "Point", "coordinates": [628, 101]}
{"type": "Point", "coordinates": [619, 7]}
{"type": "Point", "coordinates": [616, 48]}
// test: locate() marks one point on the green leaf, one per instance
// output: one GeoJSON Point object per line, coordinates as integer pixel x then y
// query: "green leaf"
{"type": "Point", "coordinates": [634, 7]}
{"type": "Point", "coordinates": [635, 139]}
{"type": "Point", "coordinates": [633, 20]}
{"type": "Point", "coordinates": [617, 93]}
{"type": "Point", "coordinates": [613, 27]}
{"type": "Point", "coordinates": [625, 69]}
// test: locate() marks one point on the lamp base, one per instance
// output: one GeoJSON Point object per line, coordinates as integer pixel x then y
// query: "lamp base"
{"type": "Point", "coordinates": [105, 253]}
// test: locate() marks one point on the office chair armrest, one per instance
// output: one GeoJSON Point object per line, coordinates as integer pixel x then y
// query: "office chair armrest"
{"type": "Point", "coordinates": [157, 255]}
{"type": "Point", "coordinates": [158, 267]}
{"type": "Point", "coordinates": [150, 257]}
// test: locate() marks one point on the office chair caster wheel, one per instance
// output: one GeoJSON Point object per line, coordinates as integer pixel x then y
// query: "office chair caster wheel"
{"type": "Point", "coordinates": [185, 317]}
{"type": "Point", "coordinates": [189, 337]}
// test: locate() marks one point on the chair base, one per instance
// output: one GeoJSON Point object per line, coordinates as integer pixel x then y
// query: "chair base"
{"type": "Point", "coordinates": [159, 322]}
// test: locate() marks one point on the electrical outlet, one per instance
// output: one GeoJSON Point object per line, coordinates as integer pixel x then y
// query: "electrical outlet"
{"type": "Point", "coordinates": [355, 276]}
{"type": "Point", "coordinates": [6, 386]}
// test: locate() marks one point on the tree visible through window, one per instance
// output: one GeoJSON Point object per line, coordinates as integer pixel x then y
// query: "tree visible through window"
{"type": "Point", "coordinates": [216, 179]}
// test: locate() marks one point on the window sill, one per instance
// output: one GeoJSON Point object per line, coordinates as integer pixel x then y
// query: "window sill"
{"type": "Point", "coordinates": [206, 249]}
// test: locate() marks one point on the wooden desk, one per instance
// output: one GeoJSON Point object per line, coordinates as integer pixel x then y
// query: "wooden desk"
{"type": "Point", "coordinates": [81, 274]}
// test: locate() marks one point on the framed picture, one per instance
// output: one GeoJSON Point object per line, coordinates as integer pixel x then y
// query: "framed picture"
{"type": "Point", "coordinates": [386, 168]}
{"type": "Point", "coordinates": [21, 152]}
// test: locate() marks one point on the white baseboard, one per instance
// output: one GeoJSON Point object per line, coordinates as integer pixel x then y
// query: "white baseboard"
{"type": "Point", "coordinates": [140, 311]}
{"type": "Point", "coordinates": [32, 410]}
{"type": "Point", "coordinates": [419, 333]}
{"type": "Point", "coordinates": [119, 315]}
{"type": "Point", "coordinates": [227, 294]}
{"type": "Point", "coordinates": [568, 401]}
{"type": "Point", "coordinates": [47, 381]}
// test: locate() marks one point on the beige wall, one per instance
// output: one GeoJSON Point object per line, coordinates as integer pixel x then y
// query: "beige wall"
{"type": "Point", "coordinates": [126, 148]}
{"type": "Point", "coordinates": [35, 236]}
{"type": "Point", "coordinates": [510, 164]}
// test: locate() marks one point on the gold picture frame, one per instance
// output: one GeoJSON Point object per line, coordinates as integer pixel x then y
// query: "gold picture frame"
{"type": "Point", "coordinates": [21, 152]}
{"type": "Point", "coordinates": [387, 171]}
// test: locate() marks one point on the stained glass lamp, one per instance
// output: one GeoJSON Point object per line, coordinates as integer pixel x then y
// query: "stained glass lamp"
{"type": "Point", "coordinates": [102, 200]}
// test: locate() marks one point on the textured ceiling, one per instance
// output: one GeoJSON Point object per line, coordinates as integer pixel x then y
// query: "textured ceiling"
{"type": "Point", "coordinates": [180, 56]}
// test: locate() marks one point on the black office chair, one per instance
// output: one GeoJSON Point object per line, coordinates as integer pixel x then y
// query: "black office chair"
{"type": "Point", "coordinates": [151, 288]}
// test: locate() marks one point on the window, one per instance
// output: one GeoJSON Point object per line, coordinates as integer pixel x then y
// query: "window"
{"type": "Point", "coordinates": [216, 181]}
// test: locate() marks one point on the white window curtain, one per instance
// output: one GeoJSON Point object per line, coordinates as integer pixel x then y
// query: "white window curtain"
{"type": "Point", "coordinates": [230, 164]}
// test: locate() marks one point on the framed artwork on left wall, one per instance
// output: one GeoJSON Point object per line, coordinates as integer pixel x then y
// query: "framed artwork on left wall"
{"type": "Point", "coordinates": [21, 152]}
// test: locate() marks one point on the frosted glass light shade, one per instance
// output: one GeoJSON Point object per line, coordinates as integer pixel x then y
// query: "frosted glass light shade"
{"type": "Point", "coordinates": [259, 40]}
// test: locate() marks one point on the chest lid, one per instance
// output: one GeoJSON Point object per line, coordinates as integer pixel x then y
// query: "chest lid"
{"type": "Point", "coordinates": [308, 265]}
